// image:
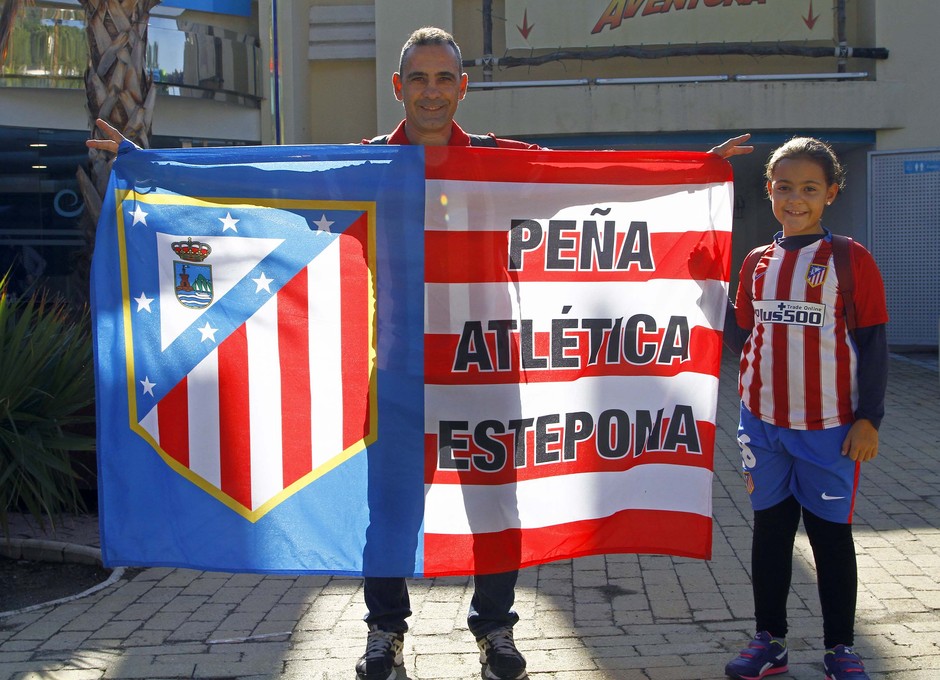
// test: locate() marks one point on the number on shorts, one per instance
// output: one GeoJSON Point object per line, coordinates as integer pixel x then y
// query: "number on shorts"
{"type": "Point", "coordinates": [747, 456]}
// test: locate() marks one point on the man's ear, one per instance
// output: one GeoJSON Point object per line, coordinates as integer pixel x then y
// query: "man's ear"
{"type": "Point", "coordinates": [464, 81]}
{"type": "Point", "coordinates": [396, 86]}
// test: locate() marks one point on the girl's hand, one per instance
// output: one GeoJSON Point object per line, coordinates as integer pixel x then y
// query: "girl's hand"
{"type": "Point", "coordinates": [861, 443]}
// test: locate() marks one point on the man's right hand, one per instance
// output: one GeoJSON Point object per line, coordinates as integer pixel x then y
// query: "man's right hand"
{"type": "Point", "coordinates": [113, 138]}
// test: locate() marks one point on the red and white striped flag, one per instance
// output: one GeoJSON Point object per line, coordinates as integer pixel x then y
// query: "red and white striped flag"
{"type": "Point", "coordinates": [571, 354]}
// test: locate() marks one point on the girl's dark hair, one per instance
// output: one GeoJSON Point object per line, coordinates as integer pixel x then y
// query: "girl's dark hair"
{"type": "Point", "coordinates": [812, 149]}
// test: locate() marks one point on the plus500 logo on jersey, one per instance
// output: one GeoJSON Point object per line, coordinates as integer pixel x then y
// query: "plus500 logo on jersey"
{"type": "Point", "coordinates": [789, 312]}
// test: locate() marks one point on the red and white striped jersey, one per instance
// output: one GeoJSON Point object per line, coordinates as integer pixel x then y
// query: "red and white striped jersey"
{"type": "Point", "coordinates": [799, 364]}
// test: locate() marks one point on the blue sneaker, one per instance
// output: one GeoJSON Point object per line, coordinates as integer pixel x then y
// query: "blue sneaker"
{"type": "Point", "coordinates": [841, 663]}
{"type": "Point", "coordinates": [765, 655]}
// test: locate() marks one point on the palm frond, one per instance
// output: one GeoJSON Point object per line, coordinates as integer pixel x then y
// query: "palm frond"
{"type": "Point", "coordinates": [46, 391]}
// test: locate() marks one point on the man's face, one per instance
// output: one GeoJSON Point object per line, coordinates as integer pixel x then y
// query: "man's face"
{"type": "Point", "coordinates": [430, 86]}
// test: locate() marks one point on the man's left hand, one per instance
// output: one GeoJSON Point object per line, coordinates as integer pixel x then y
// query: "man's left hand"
{"type": "Point", "coordinates": [733, 147]}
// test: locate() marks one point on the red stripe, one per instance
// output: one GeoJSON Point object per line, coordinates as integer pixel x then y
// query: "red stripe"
{"type": "Point", "coordinates": [234, 426]}
{"type": "Point", "coordinates": [173, 423]}
{"type": "Point", "coordinates": [575, 167]}
{"type": "Point", "coordinates": [446, 258]}
{"type": "Point", "coordinates": [629, 531]}
{"type": "Point", "coordinates": [858, 472]}
{"type": "Point", "coordinates": [553, 463]}
{"type": "Point", "coordinates": [440, 352]}
{"type": "Point", "coordinates": [293, 328]}
{"type": "Point", "coordinates": [844, 375]}
{"type": "Point", "coordinates": [356, 310]}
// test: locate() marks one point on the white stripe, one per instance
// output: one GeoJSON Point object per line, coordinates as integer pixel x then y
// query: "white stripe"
{"type": "Point", "coordinates": [151, 424]}
{"type": "Point", "coordinates": [796, 344]}
{"type": "Point", "coordinates": [326, 361]}
{"type": "Point", "coordinates": [475, 403]}
{"type": "Point", "coordinates": [448, 306]}
{"type": "Point", "coordinates": [461, 205]}
{"type": "Point", "coordinates": [454, 509]}
{"type": "Point", "coordinates": [264, 404]}
{"type": "Point", "coordinates": [203, 396]}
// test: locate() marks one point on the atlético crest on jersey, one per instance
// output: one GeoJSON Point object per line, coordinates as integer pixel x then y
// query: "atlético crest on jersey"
{"type": "Point", "coordinates": [816, 275]}
{"type": "Point", "coordinates": [223, 375]}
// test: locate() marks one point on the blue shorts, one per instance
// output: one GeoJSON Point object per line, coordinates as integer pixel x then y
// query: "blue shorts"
{"type": "Point", "coordinates": [807, 464]}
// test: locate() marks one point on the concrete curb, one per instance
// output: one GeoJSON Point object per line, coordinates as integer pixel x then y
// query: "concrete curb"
{"type": "Point", "coordinates": [41, 550]}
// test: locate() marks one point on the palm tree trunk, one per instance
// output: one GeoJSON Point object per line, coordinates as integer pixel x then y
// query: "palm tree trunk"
{"type": "Point", "coordinates": [118, 89]}
{"type": "Point", "coordinates": [7, 17]}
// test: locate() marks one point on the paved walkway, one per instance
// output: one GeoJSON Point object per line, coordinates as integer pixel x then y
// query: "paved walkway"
{"type": "Point", "coordinates": [623, 617]}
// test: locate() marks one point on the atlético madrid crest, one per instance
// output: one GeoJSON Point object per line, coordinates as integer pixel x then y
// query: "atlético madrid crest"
{"type": "Point", "coordinates": [816, 275]}
{"type": "Point", "coordinates": [251, 340]}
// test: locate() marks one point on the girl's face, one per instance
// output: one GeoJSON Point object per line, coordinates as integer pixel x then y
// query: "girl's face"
{"type": "Point", "coordinates": [799, 195]}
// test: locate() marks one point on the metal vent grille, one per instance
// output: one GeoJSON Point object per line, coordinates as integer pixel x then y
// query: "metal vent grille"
{"type": "Point", "coordinates": [904, 214]}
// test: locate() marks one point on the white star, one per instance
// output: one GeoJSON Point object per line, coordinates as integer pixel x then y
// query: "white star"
{"type": "Point", "coordinates": [262, 282]}
{"type": "Point", "coordinates": [148, 386]}
{"type": "Point", "coordinates": [228, 222]}
{"type": "Point", "coordinates": [143, 302]}
{"type": "Point", "coordinates": [323, 224]}
{"type": "Point", "coordinates": [139, 216]}
{"type": "Point", "coordinates": [208, 332]}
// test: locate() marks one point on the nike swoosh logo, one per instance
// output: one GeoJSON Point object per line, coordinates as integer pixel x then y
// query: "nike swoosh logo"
{"type": "Point", "coordinates": [827, 497]}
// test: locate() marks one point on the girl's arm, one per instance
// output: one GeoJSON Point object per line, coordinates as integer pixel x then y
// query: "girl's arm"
{"type": "Point", "coordinates": [872, 345]}
{"type": "Point", "coordinates": [861, 443]}
{"type": "Point", "coordinates": [734, 336]}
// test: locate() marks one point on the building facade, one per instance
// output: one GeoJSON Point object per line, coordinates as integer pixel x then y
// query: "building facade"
{"type": "Point", "coordinates": [599, 74]}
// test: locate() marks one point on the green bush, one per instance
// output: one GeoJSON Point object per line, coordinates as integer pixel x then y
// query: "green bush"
{"type": "Point", "coordinates": [46, 389]}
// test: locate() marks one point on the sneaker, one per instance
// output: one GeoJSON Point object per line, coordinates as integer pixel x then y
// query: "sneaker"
{"type": "Point", "coordinates": [765, 655]}
{"type": "Point", "coordinates": [499, 656]}
{"type": "Point", "coordinates": [383, 655]}
{"type": "Point", "coordinates": [841, 663]}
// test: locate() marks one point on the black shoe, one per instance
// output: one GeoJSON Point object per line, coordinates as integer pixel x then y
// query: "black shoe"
{"type": "Point", "coordinates": [499, 656]}
{"type": "Point", "coordinates": [383, 655]}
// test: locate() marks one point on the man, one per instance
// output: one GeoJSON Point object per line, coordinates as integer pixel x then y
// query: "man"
{"type": "Point", "coordinates": [430, 84]}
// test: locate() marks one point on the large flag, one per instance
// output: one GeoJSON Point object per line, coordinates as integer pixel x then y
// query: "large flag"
{"type": "Point", "coordinates": [399, 361]}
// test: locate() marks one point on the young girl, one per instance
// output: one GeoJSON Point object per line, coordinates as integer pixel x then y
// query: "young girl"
{"type": "Point", "coordinates": [812, 388]}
